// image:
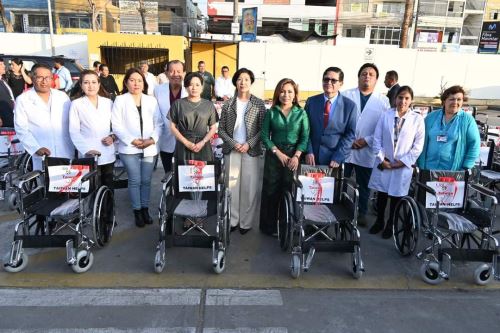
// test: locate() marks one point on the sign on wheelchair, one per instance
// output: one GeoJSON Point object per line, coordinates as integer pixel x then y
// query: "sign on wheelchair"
{"type": "Point", "coordinates": [67, 178]}
{"type": "Point", "coordinates": [196, 177]}
{"type": "Point", "coordinates": [449, 193]}
{"type": "Point", "coordinates": [316, 188]}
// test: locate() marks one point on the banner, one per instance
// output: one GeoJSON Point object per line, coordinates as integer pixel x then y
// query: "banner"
{"type": "Point", "coordinates": [449, 192]}
{"type": "Point", "coordinates": [66, 178]}
{"type": "Point", "coordinates": [196, 177]}
{"type": "Point", "coordinates": [490, 35]}
{"type": "Point", "coordinates": [249, 24]}
{"type": "Point", "coordinates": [316, 188]}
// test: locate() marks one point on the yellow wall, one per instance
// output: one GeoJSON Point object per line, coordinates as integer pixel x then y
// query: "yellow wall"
{"type": "Point", "coordinates": [215, 56]}
{"type": "Point", "coordinates": [491, 5]}
{"type": "Point", "coordinates": [104, 8]}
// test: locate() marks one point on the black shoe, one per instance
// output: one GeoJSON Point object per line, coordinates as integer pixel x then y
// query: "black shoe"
{"type": "Point", "coordinates": [233, 228]}
{"type": "Point", "coordinates": [362, 221]}
{"type": "Point", "coordinates": [244, 231]}
{"type": "Point", "coordinates": [145, 216]}
{"type": "Point", "coordinates": [139, 219]}
{"type": "Point", "coordinates": [376, 227]}
{"type": "Point", "coordinates": [387, 233]}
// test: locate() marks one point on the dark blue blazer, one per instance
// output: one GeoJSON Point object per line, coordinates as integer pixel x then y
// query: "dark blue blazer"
{"type": "Point", "coordinates": [336, 139]}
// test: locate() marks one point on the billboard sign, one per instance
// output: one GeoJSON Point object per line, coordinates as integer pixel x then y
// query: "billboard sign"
{"type": "Point", "coordinates": [490, 35]}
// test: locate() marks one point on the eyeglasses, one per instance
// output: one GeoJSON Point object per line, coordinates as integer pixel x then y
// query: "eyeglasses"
{"type": "Point", "coordinates": [43, 78]}
{"type": "Point", "coordinates": [225, 71]}
{"type": "Point", "coordinates": [328, 80]}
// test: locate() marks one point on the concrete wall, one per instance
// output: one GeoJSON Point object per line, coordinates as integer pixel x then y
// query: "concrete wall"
{"type": "Point", "coordinates": [71, 46]}
{"type": "Point", "coordinates": [425, 72]}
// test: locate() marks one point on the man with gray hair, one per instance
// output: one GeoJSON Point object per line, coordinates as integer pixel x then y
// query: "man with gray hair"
{"type": "Point", "coordinates": [150, 78]}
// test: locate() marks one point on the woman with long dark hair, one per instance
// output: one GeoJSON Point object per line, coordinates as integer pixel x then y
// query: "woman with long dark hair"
{"type": "Point", "coordinates": [18, 77]}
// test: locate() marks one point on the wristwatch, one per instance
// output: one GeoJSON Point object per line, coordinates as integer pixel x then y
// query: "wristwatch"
{"type": "Point", "coordinates": [275, 151]}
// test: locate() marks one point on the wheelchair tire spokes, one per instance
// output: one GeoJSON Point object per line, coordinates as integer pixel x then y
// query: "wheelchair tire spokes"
{"type": "Point", "coordinates": [406, 227]}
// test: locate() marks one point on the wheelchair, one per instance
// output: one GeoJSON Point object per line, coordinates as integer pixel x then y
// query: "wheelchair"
{"type": "Point", "coordinates": [449, 209]}
{"type": "Point", "coordinates": [14, 162]}
{"type": "Point", "coordinates": [71, 210]}
{"type": "Point", "coordinates": [320, 214]}
{"type": "Point", "coordinates": [194, 191]}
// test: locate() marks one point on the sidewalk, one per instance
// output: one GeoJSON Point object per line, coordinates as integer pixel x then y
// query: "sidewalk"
{"type": "Point", "coordinates": [253, 261]}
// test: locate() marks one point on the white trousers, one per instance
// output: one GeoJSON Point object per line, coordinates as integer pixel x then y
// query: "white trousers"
{"type": "Point", "coordinates": [244, 180]}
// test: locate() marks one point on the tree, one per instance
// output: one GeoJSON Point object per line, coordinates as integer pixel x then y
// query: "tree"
{"type": "Point", "coordinates": [142, 11]}
{"type": "Point", "coordinates": [94, 12]}
{"type": "Point", "coordinates": [403, 43]}
{"type": "Point", "coordinates": [6, 23]}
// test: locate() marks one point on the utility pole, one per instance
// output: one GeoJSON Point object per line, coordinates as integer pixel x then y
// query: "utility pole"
{"type": "Point", "coordinates": [142, 12]}
{"type": "Point", "coordinates": [403, 42]}
{"type": "Point", "coordinates": [51, 29]}
{"type": "Point", "coordinates": [235, 17]}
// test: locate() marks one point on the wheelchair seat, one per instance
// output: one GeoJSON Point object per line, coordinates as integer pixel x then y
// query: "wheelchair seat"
{"type": "Point", "coordinates": [318, 214]}
{"type": "Point", "coordinates": [195, 208]}
{"type": "Point", "coordinates": [454, 222]}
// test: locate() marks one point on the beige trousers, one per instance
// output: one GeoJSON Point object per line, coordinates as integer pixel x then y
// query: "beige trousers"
{"type": "Point", "coordinates": [244, 180]}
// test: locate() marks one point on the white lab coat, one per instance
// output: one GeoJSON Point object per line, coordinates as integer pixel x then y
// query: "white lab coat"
{"type": "Point", "coordinates": [125, 121]}
{"type": "Point", "coordinates": [88, 126]}
{"type": "Point", "coordinates": [41, 125]}
{"type": "Point", "coordinates": [367, 121]}
{"type": "Point", "coordinates": [152, 83]}
{"type": "Point", "coordinates": [408, 148]}
{"type": "Point", "coordinates": [162, 94]}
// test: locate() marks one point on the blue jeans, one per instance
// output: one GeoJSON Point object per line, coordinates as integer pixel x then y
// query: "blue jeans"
{"type": "Point", "coordinates": [139, 171]}
{"type": "Point", "coordinates": [362, 178]}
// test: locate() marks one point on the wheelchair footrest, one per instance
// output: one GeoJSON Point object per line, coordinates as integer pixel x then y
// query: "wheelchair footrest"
{"type": "Point", "coordinates": [331, 246]}
{"type": "Point", "coordinates": [468, 254]}
{"type": "Point", "coordinates": [43, 241]}
{"type": "Point", "coordinates": [191, 240]}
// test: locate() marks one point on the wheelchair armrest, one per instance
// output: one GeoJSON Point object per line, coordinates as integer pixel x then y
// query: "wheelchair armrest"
{"type": "Point", "coordinates": [88, 176]}
{"type": "Point", "coordinates": [15, 141]}
{"type": "Point", "coordinates": [484, 191]}
{"type": "Point", "coordinates": [168, 176]}
{"type": "Point", "coordinates": [426, 188]}
{"type": "Point", "coordinates": [297, 182]}
{"type": "Point", "coordinates": [29, 176]}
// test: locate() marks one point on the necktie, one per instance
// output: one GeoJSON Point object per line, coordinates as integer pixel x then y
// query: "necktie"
{"type": "Point", "coordinates": [326, 114]}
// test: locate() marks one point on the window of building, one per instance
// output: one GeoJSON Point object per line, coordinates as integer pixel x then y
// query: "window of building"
{"type": "Point", "coordinates": [328, 3]}
{"type": "Point", "coordinates": [115, 3]}
{"type": "Point", "coordinates": [356, 31]}
{"type": "Point", "coordinates": [38, 20]}
{"type": "Point", "coordinates": [451, 35]}
{"type": "Point", "coordinates": [120, 59]}
{"type": "Point", "coordinates": [455, 8]}
{"type": "Point", "coordinates": [164, 29]}
{"type": "Point", "coordinates": [433, 7]}
{"type": "Point", "coordinates": [429, 36]}
{"type": "Point", "coordinates": [385, 35]}
{"type": "Point", "coordinates": [355, 6]}
{"type": "Point", "coordinates": [312, 25]}
{"type": "Point", "coordinates": [77, 21]}
{"type": "Point", "coordinates": [393, 7]}
{"type": "Point", "coordinates": [494, 15]}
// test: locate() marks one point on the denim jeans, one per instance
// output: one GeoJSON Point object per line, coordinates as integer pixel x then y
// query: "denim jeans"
{"type": "Point", "coordinates": [139, 171]}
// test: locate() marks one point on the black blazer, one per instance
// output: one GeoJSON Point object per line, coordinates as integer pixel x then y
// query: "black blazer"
{"type": "Point", "coordinates": [254, 117]}
{"type": "Point", "coordinates": [391, 95]}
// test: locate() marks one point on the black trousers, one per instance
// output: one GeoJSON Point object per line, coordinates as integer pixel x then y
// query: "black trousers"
{"type": "Point", "coordinates": [382, 199]}
{"type": "Point", "coordinates": [166, 160]}
{"type": "Point", "coordinates": [106, 173]}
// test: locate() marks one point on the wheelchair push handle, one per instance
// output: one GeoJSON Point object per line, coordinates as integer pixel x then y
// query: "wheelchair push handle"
{"type": "Point", "coordinates": [426, 188]}
{"type": "Point", "coordinates": [88, 176]}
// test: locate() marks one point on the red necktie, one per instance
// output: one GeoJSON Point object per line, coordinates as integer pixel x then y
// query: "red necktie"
{"type": "Point", "coordinates": [326, 114]}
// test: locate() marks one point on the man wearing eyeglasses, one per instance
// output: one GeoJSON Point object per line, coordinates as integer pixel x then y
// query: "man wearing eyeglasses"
{"type": "Point", "coordinates": [224, 88]}
{"type": "Point", "coordinates": [41, 119]}
{"type": "Point", "coordinates": [332, 119]}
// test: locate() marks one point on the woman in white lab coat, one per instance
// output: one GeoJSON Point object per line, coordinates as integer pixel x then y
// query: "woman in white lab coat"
{"type": "Point", "coordinates": [397, 143]}
{"type": "Point", "coordinates": [90, 124]}
{"type": "Point", "coordinates": [137, 123]}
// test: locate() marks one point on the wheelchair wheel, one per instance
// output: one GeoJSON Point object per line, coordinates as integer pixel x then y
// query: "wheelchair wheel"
{"type": "Point", "coordinates": [226, 224]}
{"type": "Point", "coordinates": [406, 226]}
{"type": "Point", "coordinates": [295, 266]}
{"type": "Point", "coordinates": [25, 166]}
{"type": "Point", "coordinates": [12, 201]}
{"type": "Point", "coordinates": [220, 266]}
{"type": "Point", "coordinates": [21, 264]}
{"type": "Point", "coordinates": [285, 229]}
{"type": "Point", "coordinates": [357, 264]}
{"type": "Point", "coordinates": [429, 272]}
{"type": "Point", "coordinates": [483, 274]}
{"type": "Point", "coordinates": [84, 261]}
{"type": "Point", "coordinates": [159, 262]}
{"type": "Point", "coordinates": [103, 216]}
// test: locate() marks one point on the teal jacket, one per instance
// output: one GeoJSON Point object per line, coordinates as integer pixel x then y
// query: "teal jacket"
{"type": "Point", "coordinates": [461, 148]}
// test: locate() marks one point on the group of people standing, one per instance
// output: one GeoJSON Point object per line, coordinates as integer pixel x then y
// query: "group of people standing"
{"type": "Point", "coordinates": [262, 148]}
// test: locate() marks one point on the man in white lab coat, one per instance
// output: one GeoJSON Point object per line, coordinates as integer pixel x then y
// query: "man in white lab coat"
{"type": "Point", "coordinates": [41, 119]}
{"type": "Point", "coordinates": [371, 106]}
{"type": "Point", "coordinates": [166, 94]}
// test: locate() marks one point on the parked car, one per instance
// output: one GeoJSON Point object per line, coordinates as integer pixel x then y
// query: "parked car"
{"type": "Point", "coordinates": [30, 60]}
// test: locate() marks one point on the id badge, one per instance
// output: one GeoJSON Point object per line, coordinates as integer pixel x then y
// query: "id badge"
{"type": "Point", "coordinates": [441, 138]}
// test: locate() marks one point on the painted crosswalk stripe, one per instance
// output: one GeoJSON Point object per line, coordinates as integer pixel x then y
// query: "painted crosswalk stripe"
{"type": "Point", "coordinates": [230, 297]}
{"type": "Point", "coordinates": [247, 330]}
{"type": "Point", "coordinates": [99, 297]}
{"type": "Point", "coordinates": [108, 330]}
